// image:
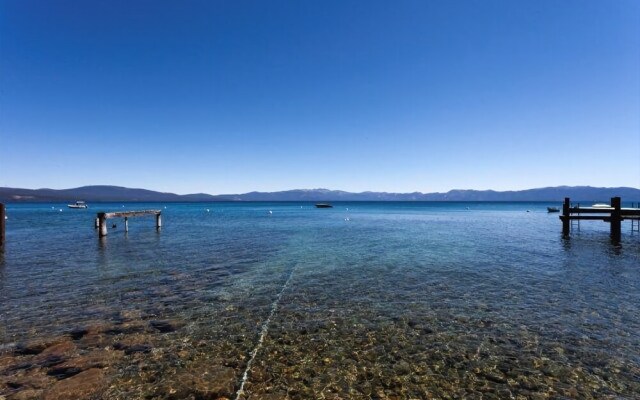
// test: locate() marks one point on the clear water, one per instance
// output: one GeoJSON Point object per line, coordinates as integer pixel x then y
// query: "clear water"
{"type": "Point", "coordinates": [382, 300]}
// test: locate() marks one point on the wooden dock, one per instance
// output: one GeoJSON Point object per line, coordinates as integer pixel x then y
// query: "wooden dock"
{"type": "Point", "coordinates": [102, 217]}
{"type": "Point", "coordinates": [614, 215]}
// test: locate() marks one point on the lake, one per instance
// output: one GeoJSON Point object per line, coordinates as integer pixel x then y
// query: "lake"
{"type": "Point", "coordinates": [365, 300]}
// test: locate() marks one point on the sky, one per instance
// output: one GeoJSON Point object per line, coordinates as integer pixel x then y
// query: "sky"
{"type": "Point", "coordinates": [399, 96]}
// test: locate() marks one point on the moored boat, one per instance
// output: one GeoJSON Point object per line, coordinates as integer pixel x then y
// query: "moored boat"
{"type": "Point", "coordinates": [553, 209]}
{"type": "Point", "coordinates": [78, 204]}
{"type": "Point", "coordinates": [323, 205]}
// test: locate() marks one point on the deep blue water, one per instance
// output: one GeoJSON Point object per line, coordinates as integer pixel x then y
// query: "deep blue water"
{"type": "Point", "coordinates": [381, 299]}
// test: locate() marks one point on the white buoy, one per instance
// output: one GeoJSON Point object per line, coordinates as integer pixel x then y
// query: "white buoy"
{"type": "Point", "coordinates": [270, 212]}
{"type": "Point", "coordinates": [207, 210]}
{"type": "Point", "coordinates": [60, 210]}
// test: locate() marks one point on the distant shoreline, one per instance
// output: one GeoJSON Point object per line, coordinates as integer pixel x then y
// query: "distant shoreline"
{"type": "Point", "coordinates": [123, 194]}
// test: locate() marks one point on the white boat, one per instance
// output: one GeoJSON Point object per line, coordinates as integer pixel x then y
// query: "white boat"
{"type": "Point", "coordinates": [78, 204]}
{"type": "Point", "coordinates": [601, 205]}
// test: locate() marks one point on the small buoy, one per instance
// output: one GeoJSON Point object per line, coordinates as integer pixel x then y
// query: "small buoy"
{"type": "Point", "coordinates": [347, 219]}
{"type": "Point", "coordinates": [123, 206]}
{"type": "Point", "coordinates": [60, 210]}
{"type": "Point", "coordinates": [270, 212]}
{"type": "Point", "coordinates": [165, 207]}
{"type": "Point", "coordinates": [207, 210]}
{"type": "Point", "coordinates": [347, 208]}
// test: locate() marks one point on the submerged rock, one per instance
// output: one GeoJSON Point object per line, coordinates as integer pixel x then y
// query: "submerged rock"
{"type": "Point", "coordinates": [63, 372]}
{"type": "Point", "coordinates": [28, 394]}
{"type": "Point", "coordinates": [202, 382]}
{"type": "Point", "coordinates": [138, 348]}
{"type": "Point", "coordinates": [84, 385]}
{"type": "Point", "coordinates": [165, 326]}
{"type": "Point", "coordinates": [78, 333]}
{"type": "Point", "coordinates": [94, 359]}
{"type": "Point", "coordinates": [55, 354]}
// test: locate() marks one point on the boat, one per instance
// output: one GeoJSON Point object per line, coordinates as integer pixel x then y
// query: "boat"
{"type": "Point", "coordinates": [601, 205]}
{"type": "Point", "coordinates": [78, 204]}
{"type": "Point", "coordinates": [323, 205]}
{"type": "Point", "coordinates": [553, 209]}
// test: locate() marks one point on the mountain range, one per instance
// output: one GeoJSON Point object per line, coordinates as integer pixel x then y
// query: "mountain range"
{"type": "Point", "coordinates": [118, 193]}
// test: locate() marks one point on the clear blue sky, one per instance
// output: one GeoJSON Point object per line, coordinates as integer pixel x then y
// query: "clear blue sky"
{"type": "Point", "coordinates": [233, 96]}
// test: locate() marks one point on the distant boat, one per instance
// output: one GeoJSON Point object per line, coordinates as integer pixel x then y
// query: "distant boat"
{"type": "Point", "coordinates": [601, 205]}
{"type": "Point", "coordinates": [553, 209]}
{"type": "Point", "coordinates": [324, 205]}
{"type": "Point", "coordinates": [78, 204]}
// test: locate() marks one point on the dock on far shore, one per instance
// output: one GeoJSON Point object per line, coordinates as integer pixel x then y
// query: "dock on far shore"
{"type": "Point", "coordinates": [614, 214]}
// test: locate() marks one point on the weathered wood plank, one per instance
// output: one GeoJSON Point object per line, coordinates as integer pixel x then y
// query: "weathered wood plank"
{"type": "Point", "coordinates": [585, 217]}
{"type": "Point", "coordinates": [608, 210]}
{"type": "Point", "coordinates": [123, 214]}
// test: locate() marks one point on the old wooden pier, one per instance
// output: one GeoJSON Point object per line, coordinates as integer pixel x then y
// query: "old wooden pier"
{"type": "Point", "coordinates": [102, 217]}
{"type": "Point", "coordinates": [614, 214]}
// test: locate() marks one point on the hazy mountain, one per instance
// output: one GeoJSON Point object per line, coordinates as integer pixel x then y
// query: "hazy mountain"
{"type": "Point", "coordinates": [117, 193]}
{"type": "Point", "coordinates": [97, 193]}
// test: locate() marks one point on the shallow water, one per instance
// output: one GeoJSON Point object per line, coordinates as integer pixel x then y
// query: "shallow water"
{"type": "Point", "coordinates": [384, 300]}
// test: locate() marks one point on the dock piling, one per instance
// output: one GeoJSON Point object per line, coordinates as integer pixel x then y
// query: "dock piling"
{"type": "Point", "coordinates": [2, 226]}
{"type": "Point", "coordinates": [566, 222]}
{"type": "Point", "coordinates": [616, 219]}
{"type": "Point", "coordinates": [158, 221]}
{"type": "Point", "coordinates": [102, 224]}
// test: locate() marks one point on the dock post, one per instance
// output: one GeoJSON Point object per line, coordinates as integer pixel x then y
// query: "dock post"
{"type": "Point", "coordinates": [102, 222]}
{"type": "Point", "coordinates": [2, 227]}
{"type": "Point", "coordinates": [126, 224]}
{"type": "Point", "coordinates": [616, 217]}
{"type": "Point", "coordinates": [158, 221]}
{"type": "Point", "coordinates": [97, 223]}
{"type": "Point", "coordinates": [566, 222]}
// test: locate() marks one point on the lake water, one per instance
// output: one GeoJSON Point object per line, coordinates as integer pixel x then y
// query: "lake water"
{"type": "Point", "coordinates": [283, 300]}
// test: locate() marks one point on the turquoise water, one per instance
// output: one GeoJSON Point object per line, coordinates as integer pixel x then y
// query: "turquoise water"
{"type": "Point", "coordinates": [364, 300]}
